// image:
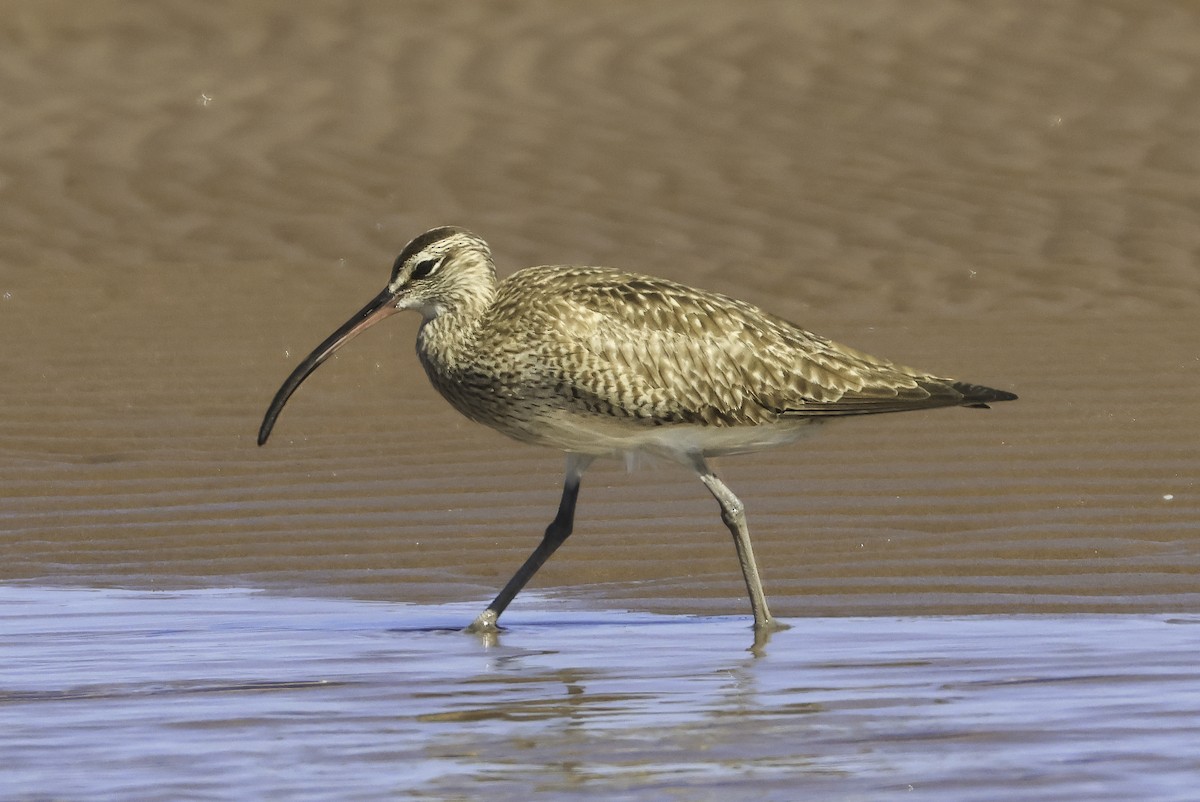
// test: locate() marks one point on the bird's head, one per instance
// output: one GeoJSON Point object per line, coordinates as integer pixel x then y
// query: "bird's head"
{"type": "Point", "coordinates": [444, 270]}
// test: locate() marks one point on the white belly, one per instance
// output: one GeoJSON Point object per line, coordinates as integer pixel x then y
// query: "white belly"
{"type": "Point", "coordinates": [614, 437]}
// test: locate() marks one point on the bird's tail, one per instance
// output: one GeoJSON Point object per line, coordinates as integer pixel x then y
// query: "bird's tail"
{"type": "Point", "coordinates": [978, 396]}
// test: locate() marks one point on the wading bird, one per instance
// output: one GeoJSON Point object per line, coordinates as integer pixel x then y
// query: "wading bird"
{"type": "Point", "coordinates": [599, 362]}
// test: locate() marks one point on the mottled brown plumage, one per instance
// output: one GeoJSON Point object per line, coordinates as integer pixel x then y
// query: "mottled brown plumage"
{"type": "Point", "coordinates": [600, 362]}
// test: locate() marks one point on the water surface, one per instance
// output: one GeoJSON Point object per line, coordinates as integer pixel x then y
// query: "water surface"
{"type": "Point", "coordinates": [223, 694]}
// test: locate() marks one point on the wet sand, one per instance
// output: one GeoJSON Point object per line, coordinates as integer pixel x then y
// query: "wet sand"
{"type": "Point", "coordinates": [194, 197]}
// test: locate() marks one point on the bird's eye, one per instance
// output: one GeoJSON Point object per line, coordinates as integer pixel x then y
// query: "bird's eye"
{"type": "Point", "coordinates": [424, 268]}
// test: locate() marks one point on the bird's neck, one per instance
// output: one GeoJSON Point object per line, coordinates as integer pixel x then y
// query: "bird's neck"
{"type": "Point", "coordinates": [450, 327]}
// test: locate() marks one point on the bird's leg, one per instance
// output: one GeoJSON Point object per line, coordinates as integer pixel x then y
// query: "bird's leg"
{"type": "Point", "coordinates": [734, 515]}
{"type": "Point", "coordinates": [557, 532]}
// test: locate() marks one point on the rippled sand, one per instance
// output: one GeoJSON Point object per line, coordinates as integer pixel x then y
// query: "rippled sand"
{"type": "Point", "coordinates": [194, 196]}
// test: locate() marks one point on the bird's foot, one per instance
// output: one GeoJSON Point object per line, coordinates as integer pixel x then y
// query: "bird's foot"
{"type": "Point", "coordinates": [771, 625]}
{"type": "Point", "coordinates": [485, 624]}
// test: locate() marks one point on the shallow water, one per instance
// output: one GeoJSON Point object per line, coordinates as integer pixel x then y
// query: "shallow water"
{"type": "Point", "coordinates": [222, 694]}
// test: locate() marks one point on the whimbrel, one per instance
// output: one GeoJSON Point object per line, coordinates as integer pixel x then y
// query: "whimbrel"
{"type": "Point", "coordinates": [599, 362]}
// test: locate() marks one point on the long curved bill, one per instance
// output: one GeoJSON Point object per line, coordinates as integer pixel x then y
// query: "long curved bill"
{"type": "Point", "coordinates": [379, 308]}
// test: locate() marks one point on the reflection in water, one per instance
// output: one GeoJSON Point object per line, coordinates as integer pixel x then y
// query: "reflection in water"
{"type": "Point", "coordinates": [250, 695]}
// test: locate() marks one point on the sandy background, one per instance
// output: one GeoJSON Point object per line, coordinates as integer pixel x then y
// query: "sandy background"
{"type": "Point", "coordinates": [191, 197]}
